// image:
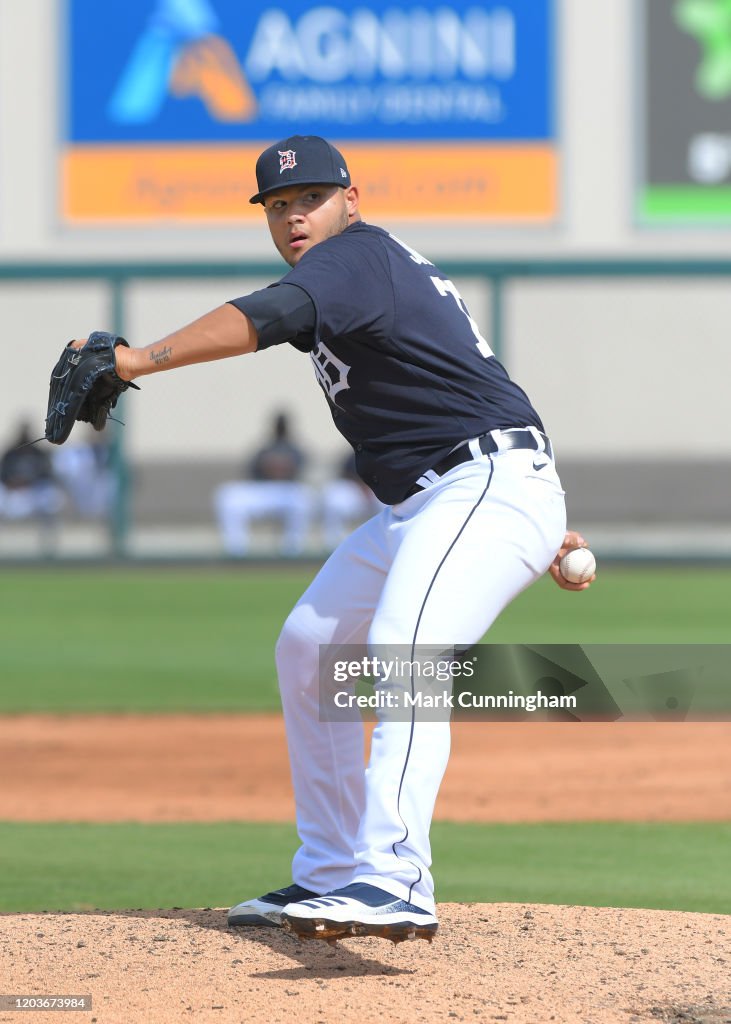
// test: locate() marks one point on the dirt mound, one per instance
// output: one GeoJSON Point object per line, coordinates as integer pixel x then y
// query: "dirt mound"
{"type": "Point", "coordinates": [516, 963]}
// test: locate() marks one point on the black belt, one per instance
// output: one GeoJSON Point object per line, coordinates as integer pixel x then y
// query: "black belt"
{"type": "Point", "coordinates": [488, 446]}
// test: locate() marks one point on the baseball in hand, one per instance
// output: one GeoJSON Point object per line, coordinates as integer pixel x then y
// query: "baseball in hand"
{"type": "Point", "coordinates": [578, 566]}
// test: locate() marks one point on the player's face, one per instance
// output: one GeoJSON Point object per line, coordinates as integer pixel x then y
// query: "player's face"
{"type": "Point", "coordinates": [300, 216]}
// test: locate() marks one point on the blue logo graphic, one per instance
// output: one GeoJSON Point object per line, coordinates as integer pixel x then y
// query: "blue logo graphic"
{"type": "Point", "coordinates": [181, 53]}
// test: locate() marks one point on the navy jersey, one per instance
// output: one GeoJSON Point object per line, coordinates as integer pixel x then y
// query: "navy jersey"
{"type": "Point", "coordinates": [406, 372]}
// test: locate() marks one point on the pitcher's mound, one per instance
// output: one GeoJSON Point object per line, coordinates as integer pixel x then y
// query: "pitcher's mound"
{"type": "Point", "coordinates": [489, 962]}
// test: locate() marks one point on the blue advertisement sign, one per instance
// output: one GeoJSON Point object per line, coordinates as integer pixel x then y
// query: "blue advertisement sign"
{"type": "Point", "coordinates": [193, 70]}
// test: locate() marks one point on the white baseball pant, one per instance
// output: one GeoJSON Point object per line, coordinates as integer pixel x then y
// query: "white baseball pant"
{"type": "Point", "coordinates": [436, 569]}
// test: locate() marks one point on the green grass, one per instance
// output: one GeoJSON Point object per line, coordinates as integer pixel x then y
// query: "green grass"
{"type": "Point", "coordinates": [130, 866]}
{"type": "Point", "coordinates": [175, 639]}
{"type": "Point", "coordinates": [662, 866]}
{"type": "Point", "coordinates": [141, 640]}
{"type": "Point", "coordinates": [137, 639]}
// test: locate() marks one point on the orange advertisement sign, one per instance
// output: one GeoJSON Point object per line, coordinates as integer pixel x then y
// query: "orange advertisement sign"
{"type": "Point", "coordinates": [148, 183]}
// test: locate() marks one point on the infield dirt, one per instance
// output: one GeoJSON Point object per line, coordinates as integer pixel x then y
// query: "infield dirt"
{"type": "Point", "coordinates": [235, 767]}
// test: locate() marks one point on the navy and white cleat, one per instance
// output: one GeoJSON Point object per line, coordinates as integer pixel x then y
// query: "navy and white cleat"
{"type": "Point", "coordinates": [266, 911]}
{"type": "Point", "coordinates": [358, 909]}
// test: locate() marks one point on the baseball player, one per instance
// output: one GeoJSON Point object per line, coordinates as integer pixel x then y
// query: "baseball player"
{"type": "Point", "coordinates": [474, 513]}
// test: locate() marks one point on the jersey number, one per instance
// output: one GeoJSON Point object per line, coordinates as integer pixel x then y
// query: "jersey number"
{"type": "Point", "coordinates": [449, 288]}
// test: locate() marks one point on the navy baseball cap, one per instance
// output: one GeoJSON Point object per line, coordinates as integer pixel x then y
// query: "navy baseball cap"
{"type": "Point", "coordinates": [299, 160]}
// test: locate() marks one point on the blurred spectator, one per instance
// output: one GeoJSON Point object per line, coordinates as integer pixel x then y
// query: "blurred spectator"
{"type": "Point", "coordinates": [84, 468]}
{"type": "Point", "coordinates": [273, 490]}
{"type": "Point", "coordinates": [346, 501]}
{"type": "Point", "coordinates": [27, 486]}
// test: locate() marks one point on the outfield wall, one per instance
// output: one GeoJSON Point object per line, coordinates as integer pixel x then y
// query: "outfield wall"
{"type": "Point", "coordinates": [628, 373]}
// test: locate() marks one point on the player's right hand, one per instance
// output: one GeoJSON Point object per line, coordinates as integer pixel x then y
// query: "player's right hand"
{"type": "Point", "coordinates": [571, 540]}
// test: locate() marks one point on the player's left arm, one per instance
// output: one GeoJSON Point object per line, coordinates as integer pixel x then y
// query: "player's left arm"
{"type": "Point", "coordinates": [571, 540]}
{"type": "Point", "coordinates": [223, 332]}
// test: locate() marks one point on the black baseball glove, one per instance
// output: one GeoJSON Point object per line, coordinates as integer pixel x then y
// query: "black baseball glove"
{"type": "Point", "coordinates": [84, 386]}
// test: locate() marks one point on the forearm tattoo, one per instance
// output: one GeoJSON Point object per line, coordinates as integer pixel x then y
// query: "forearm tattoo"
{"type": "Point", "coordinates": [162, 355]}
